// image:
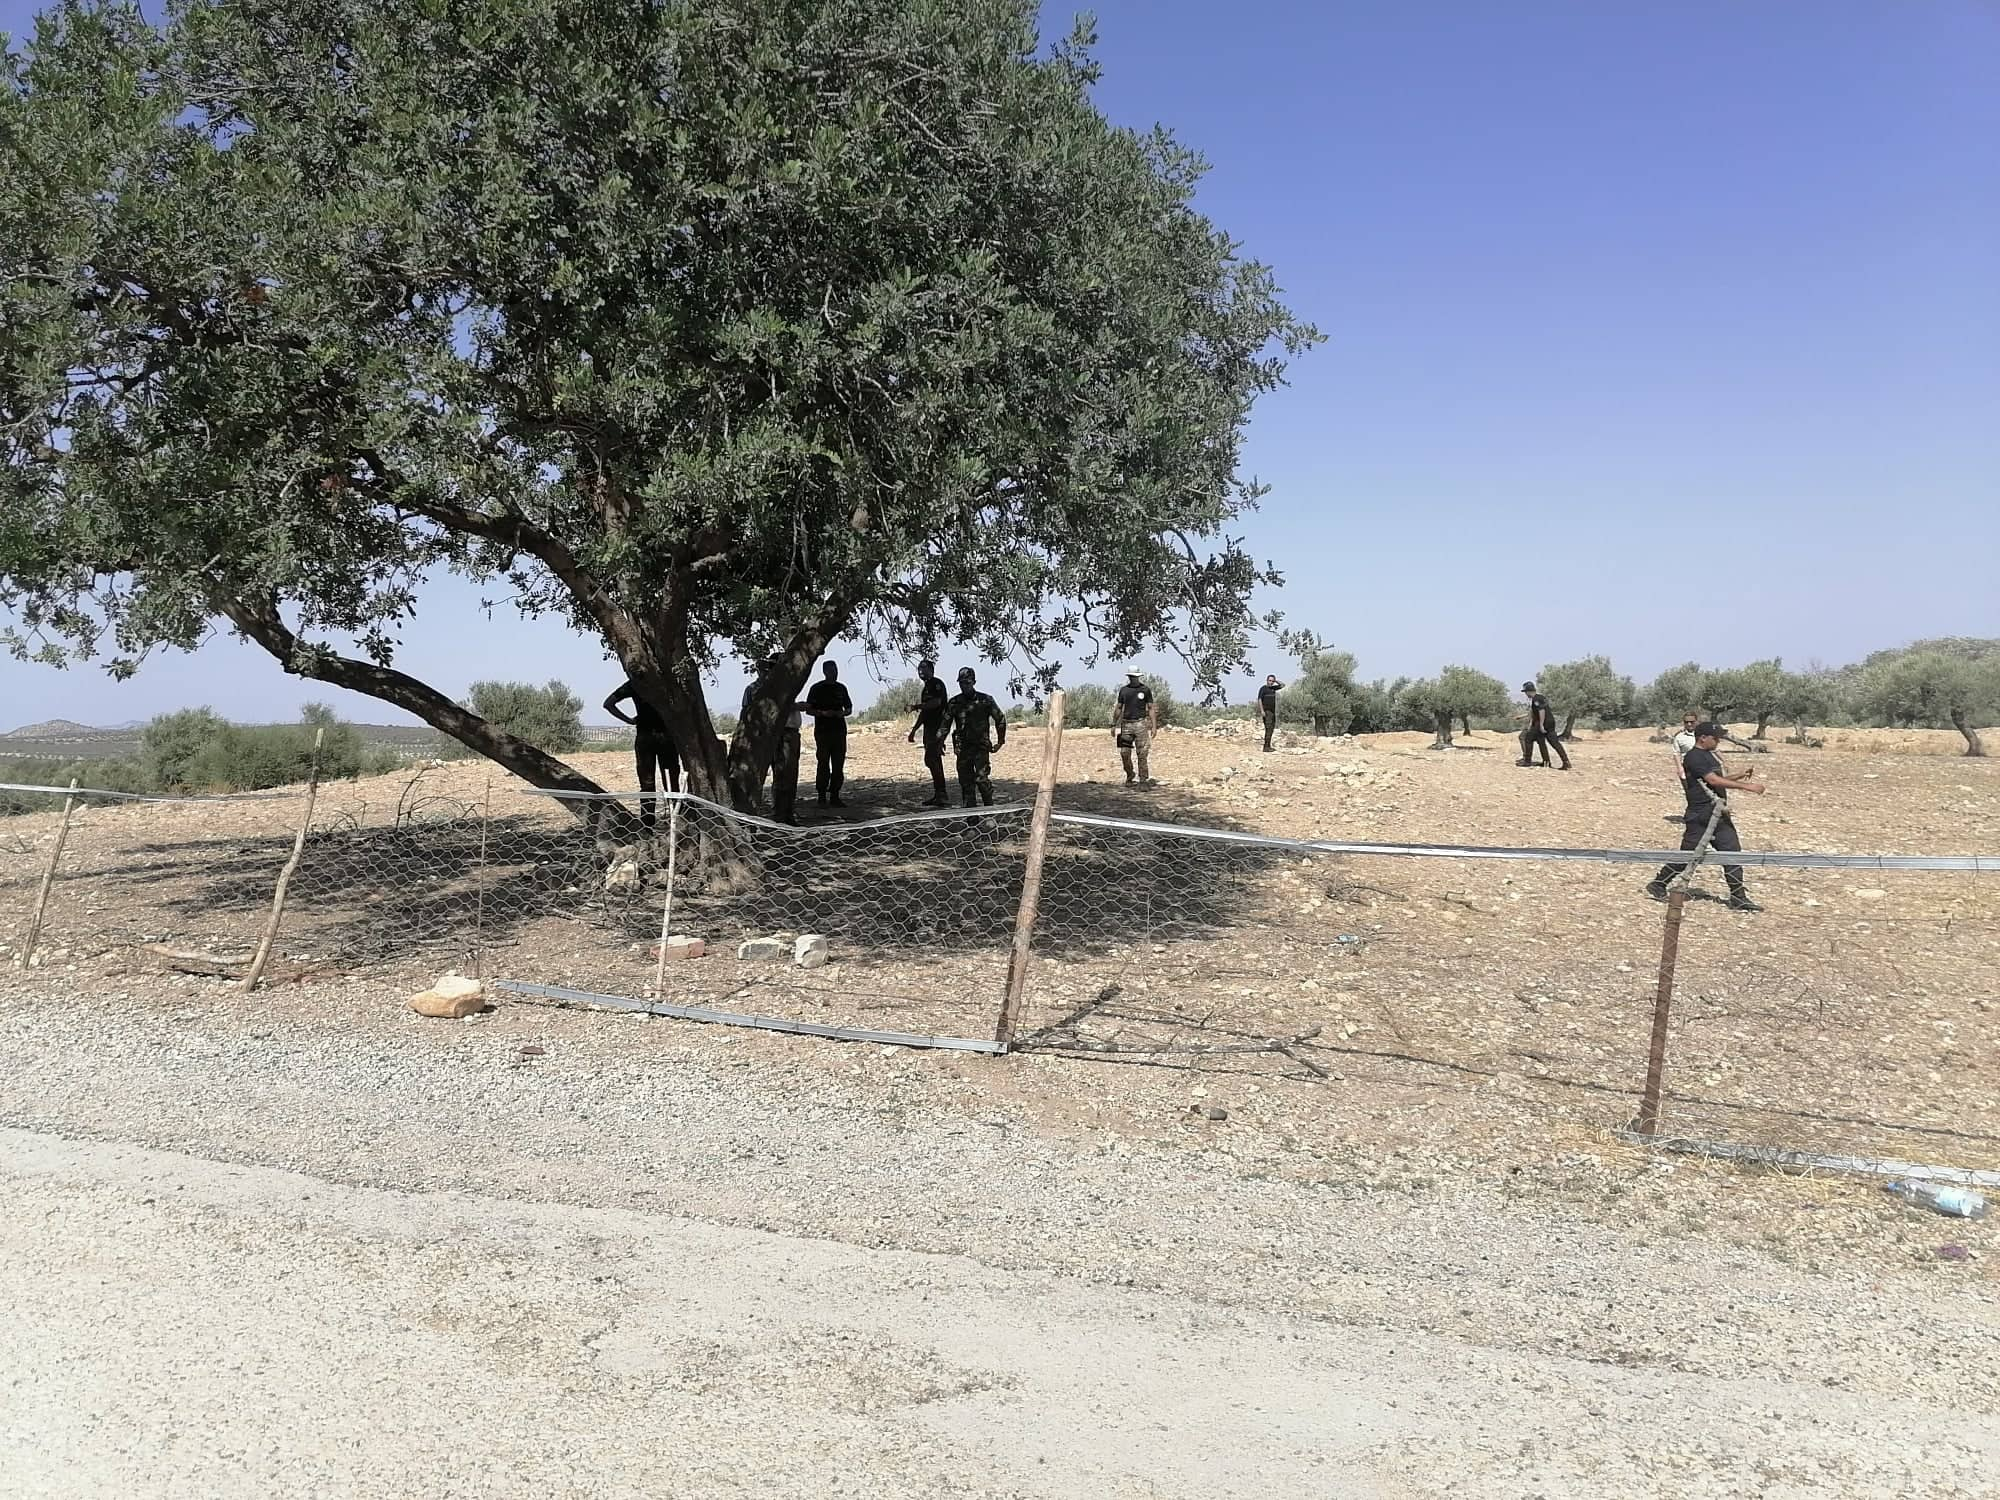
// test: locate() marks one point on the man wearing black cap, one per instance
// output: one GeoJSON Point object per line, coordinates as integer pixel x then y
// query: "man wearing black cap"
{"type": "Point", "coordinates": [1702, 777]}
{"type": "Point", "coordinates": [968, 714]}
{"type": "Point", "coordinates": [1137, 717]}
{"type": "Point", "coordinates": [929, 709]}
{"type": "Point", "coordinates": [1541, 730]}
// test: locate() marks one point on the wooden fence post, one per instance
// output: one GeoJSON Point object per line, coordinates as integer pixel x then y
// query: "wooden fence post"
{"type": "Point", "coordinates": [1648, 1123]}
{"type": "Point", "coordinates": [1031, 879]}
{"type": "Point", "coordinates": [48, 880]}
{"type": "Point", "coordinates": [263, 954]}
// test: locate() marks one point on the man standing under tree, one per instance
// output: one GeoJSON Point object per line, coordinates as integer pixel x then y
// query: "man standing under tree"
{"type": "Point", "coordinates": [829, 704]}
{"type": "Point", "coordinates": [1706, 785]}
{"type": "Point", "coordinates": [652, 747]}
{"type": "Point", "coordinates": [967, 715]}
{"type": "Point", "coordinates": [1138, 716]}
{"type": "Point", "coordinates": [1267, 704]}
{"type": "Point", "coordinates": [929, 709]}
{"type": "Point", "coordinates": [1541, 730]}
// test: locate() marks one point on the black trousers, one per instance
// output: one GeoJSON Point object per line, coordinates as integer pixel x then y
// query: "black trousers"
{"type": "Point", "coordinates": [1270, 728]}
{"type": "Point", "coordinates": [785, 777]}
{"type": "Point", "coordinates": [830, 753]}
{"type": "Point", "coordinates": [1725, 840]}
{"type": "Point", "coordinates": [1546, 739]}
{"type": "Point", "coordinates": [934, 763]}
{"type": "Point", "coordinates": [654, 753]}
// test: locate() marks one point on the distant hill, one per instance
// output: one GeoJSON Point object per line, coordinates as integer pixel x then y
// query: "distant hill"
{"type": "Point", "coordinates": [53, 729]}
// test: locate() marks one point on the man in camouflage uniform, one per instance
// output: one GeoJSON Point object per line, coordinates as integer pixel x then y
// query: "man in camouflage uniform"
{"type": "Point", "coordinates": [967, 716]}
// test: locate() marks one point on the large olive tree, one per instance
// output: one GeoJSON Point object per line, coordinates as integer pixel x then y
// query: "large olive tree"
{"type": "Point", "coordinates": [716, 326]}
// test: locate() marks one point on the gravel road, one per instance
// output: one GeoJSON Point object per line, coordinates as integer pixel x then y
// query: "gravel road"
{"type": "Point", "coordinates": [310, 1245]}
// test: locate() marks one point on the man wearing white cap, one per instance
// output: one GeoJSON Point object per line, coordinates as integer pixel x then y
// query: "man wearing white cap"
{"type": "Point", "coordinates": [1137, 717]}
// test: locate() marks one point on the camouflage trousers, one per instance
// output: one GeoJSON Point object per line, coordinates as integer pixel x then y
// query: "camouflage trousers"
{"type": "Point", "coordinates": [975, 775]}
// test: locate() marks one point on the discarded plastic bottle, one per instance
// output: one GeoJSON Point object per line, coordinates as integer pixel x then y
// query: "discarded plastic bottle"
{"type": "Point", "coordinates": [1957, 1202]}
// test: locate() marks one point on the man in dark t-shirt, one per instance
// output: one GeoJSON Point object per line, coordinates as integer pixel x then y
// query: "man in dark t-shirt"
{"type": "Point", "coordinates": [1705, 783]}
{"type": "Point", "coordinates": [1137, 716]}
{"type": "Point", "coordinates": [929, 709]}
{"type": "Point", "coordinates": [829, 703]}
{"type": "Point", "coordinates": [652, 746]}
{"type": "Point", "coordinates": [1541, 730]}
{"type": "Point", "coordinates": [1267, 705]}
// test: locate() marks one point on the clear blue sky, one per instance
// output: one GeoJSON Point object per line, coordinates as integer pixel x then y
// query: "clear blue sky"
{"type": "Point", "coordinates": [1665, 329]}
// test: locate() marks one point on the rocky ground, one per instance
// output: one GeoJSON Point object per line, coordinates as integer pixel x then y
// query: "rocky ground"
{"type": "Point", "coordinates": [308, 1242]}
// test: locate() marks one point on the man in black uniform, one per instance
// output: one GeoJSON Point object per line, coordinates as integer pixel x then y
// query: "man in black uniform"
{"type": "Point", "coordinates": [829, 704]}
{"type": "Point", "coordinates": [1705, 783]}
{"type": "Point", "coordinates": [967, 716]}
{"type": "Point", "coordinates": [652, 748]}
{"type": "Point", "coordinates": [929, 709]}
{"type": "Point", "coordinates": [1541, 730]}
{"type": "Point", "coordinates": [1267, 704]}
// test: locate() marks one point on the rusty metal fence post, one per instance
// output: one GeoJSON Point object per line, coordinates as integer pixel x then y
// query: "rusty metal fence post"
{"type": "Point", "coordinates": [667, 907]}
{"type": "Point", "coordinates": [479, 890]}
{"type": "Point", "coordinates": [1031, 877]}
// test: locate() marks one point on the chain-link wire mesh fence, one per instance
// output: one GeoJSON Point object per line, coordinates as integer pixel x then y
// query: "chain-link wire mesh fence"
{"type": "Point", "coordinates": [1444, 997]}
{"type": "Point", "coordinates": [1446, 994]}
{"type": "Point", "coordinates": [195, 873]}
{"type": "Point", "coordinates": [1859, 1016]}
{"type": "Point", "coordinates": [915, 911]}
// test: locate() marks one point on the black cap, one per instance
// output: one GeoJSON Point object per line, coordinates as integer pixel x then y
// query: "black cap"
{"type": "Point", "coordinates": [966, 674]}
{"type": "Point", "coordinates": [1527, 687]}
{"type": "Point", "coordinates": [1708, 731]}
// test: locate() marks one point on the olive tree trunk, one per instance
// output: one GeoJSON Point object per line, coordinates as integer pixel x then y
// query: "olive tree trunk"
{"type": "Point", "coordinates": [1972, 744]}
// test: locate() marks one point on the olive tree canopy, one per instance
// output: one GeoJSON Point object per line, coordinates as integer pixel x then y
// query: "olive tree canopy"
{"type": "Point", "coordinates": [719, 326]}
{"type": "Point", "coordinates": [1588, 688]}
{"type": "Point", "coordinates": [1458, 692]}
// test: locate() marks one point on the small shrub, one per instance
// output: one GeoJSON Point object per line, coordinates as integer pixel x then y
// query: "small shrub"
{"type": "Point", "coordinates": [892, 703]}
{"type": "Point", "coordinates": [1089, 705]}
{"type": "Point", "coordinates": [170, 744]}
{"type": "Point", "coordinates": [108, 775]}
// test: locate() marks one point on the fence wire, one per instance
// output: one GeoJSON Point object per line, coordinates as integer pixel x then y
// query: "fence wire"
{"type": "Point", "coordinates": [916, 912]}
{"type": "Point", "coordinates": [1440, 998]}
{"type": "Point", "coordinates": [1855, 1016]}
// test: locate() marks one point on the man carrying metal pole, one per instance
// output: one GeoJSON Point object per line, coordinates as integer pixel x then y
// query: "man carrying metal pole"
{"type": "Point", "coordinates": [1708, 789]}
